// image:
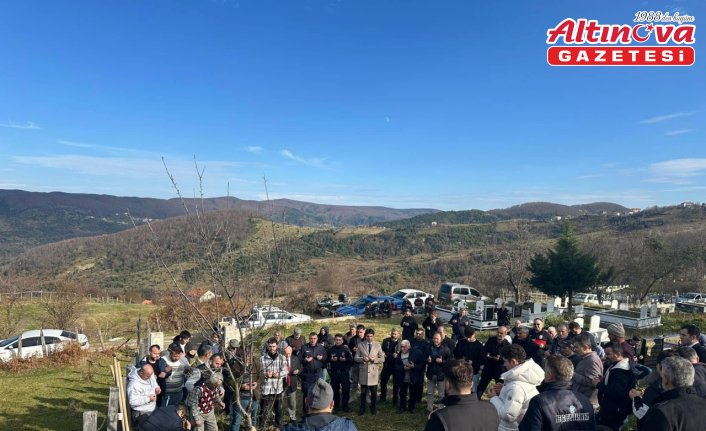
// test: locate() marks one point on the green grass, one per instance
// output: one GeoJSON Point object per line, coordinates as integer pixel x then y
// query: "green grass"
{"type": "Point", "coordinates": [54, 399]}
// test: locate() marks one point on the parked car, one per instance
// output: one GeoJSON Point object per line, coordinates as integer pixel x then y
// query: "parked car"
{"type": "Point", "coordinates": [409, 294]}
{"type": "Point", "coordinates": [586, 298]}
{"type": "Point", "coordinates": [54, 339]}
{"type": "Point", "coordinates": [358, 306]}
{"type": "Point", "coordinates": [692, 297]}
{"type": "Point", "coordinates": [267, 316]}
{"type": "Point", "coordinates": [450, 292]}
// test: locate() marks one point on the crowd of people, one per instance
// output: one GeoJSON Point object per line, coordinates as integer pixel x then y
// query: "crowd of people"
{"type": "Point", "coordinates": [555, 378]}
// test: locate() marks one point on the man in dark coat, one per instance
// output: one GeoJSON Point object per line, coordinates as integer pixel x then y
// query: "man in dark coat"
{"type": "Point", "coordinates": [340, 361]}
{"type": "Point", "coordinates": [614, 390]}
{"type": "Point", "coordinates": [689, 337]}
{"type": "Point", "coordinates": [391, 347]}
{"type": "Point", "coordinates": [461, 410]}
{"type": "Point", "coordinates": [313, 358]}
{"type": "Point", "coordinates": [532, 350]}
{"type": "Point", "coordinates": [471, 350]}
{"type": "Point", "coordinates": [493, 362]}
{"type": "Point", "coordinates": [677, 408]}
{"type": "Point", "coordinates": [168, 418]}
{"type": "Point", "coordinates": [409, 325]}
{"type": "Point", "coordinates": [409, 376]}
{"type": "Point", "coordinates": [557, 407]}
{"type": "Point", "coordinates": [699, 370]}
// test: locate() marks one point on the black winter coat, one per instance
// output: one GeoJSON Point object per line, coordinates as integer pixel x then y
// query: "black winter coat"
{"type": "Point", "coordinates": [613, 398]}
{"type": "Point", "coordinates": [434, 368]}
{"type": "Point", "coordinates": [558, 408]}
{"type": "Point", "coordinates": [677, 409]}
{"type": "Point", "coordinates": [416, 374]}
{"type": "Point", "coordinates": [463, 412]}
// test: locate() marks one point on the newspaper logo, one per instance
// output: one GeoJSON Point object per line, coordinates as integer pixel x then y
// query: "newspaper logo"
{"type": "Point", "coordinates": [658, 39]}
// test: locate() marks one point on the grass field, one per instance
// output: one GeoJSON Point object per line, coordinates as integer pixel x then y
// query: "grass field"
{"type": "Point", "coordinates": [54, 397]}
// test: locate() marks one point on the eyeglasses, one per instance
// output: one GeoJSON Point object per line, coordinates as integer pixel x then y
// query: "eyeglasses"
{"type": "Point", "coordinates": [537, 324]}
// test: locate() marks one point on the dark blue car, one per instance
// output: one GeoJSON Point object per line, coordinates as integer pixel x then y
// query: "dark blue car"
{"type": "Point", "coordinates": [358, 307]}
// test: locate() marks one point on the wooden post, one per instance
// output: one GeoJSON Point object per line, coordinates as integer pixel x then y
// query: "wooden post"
{"type": "Point", "coordinates": [19, 346]}
{"type": "Point", "coordinates": [44, 344]}
{"type": "Point", "coordinates": [125, 417]}
{"type": "Point", "coordinates": [113, 408]}
{"type": "Point", "coordinates": [139, 340]}
{"type": "Point", "coordinates": [90, 421]}
{"type": "Point", "coordinates": [100, 338]}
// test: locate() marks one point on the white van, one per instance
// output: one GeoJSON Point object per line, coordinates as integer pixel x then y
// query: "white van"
{"type": "Point", "coordinates": [450, 292]}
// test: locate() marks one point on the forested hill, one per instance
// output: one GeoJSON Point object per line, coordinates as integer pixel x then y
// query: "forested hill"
{"type": "Point", "coordinates": [536, 211]}
{"type": "Point", "coordinates": [29, 219]}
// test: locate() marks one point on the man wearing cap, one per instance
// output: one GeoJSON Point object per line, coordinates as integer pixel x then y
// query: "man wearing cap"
{"type": "Point", "coordinates": [319, 403]}
{"type": "Point", "coordinates": [201, 403]}
{"type": "Point", "coordinates": [296, 341]}
{"type": "Point", "coordinates": [616, 334]}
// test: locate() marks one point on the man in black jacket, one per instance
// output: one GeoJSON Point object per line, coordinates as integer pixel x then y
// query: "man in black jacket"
{"type": "Point", "coordinates": [493, 362]}
{"type": "Point", "coordinates": [409, 325]}
{"type": "Point", "coordinates": [313, 358]}
{"type": "Point", "coordinates": [461, 410]}
{"type": "Point", "coordinates": [409, 376]}
{"type": "Point", "coordinates": [689, 337]}
{"type": "Point", "coordinates": [391, 347]}
{"type": "Point", "coordinates": [340, 361]}
{"type": "Point", "coordinates": [699, 384]}
{"type": "Point", "coordinates": [614, 390]}
{"type": "Point", "coordinates": [531, 349]}
{"type": "Point", "coordinates": [677, 408]}
{"type": "Point", "coordinates": [168, 418]}
{"type": "Point", "coordinates": [437, 354]}
{"type": "Point", "coordinates": [471, 350]}
{"type": "Point", "coordinates": [557, 407]}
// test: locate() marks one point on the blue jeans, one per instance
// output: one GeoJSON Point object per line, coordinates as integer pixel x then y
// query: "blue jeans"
{"type": "Point", "coordinates": [237, 414]}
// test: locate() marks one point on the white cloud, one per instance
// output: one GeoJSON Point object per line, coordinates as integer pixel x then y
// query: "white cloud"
{"type": "Point", "coordinates": [677, 171]}
{"type": "Point", "coordinates": [252, 149]}
{"type": "Point", "coordinates": [679, 132]}
{"type": "Point", "coordinates": [660, 118]}
{"type": "Point", "coordinates": [312, 161]}
{"type": "Point", "coordinates": [29, 125]}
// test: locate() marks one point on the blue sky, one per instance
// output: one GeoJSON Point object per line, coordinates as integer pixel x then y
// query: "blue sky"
{"type": "Point", "coordinates": [435, 104]}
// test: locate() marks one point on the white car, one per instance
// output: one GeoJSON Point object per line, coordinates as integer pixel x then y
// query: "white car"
{"type": "Point", "coordinates": [54, 340]}
{"type": "Point", "coordinates": [267, 316]}
{"type": "Point", "coordinates": [410, 294]}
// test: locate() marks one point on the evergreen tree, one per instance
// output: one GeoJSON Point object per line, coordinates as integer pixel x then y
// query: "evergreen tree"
{"type": "Point", "coordinates": [565, 269]}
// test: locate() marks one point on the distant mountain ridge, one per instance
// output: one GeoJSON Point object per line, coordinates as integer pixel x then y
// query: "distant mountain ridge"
{"type": "Point", "coordinates": [28, 219]}
{"type": "Point", "coordinates": [544, 210]}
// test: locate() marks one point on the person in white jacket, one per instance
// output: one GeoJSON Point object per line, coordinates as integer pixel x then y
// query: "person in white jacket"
{"type": "Point", "coordinates": [142, 391]}
{"type": "Point", "coordinates": [518, 386]}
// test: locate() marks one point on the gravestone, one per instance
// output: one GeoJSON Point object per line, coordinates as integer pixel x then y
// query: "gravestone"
{"type": "Point", "coordinates": [550, 307]}
{"type": "Point", "coordinates": [653, 310]}
{"type": "Point", "coordinates": [231, 332]}
{"type": "Point", "coordinates": [498, 302]}
{"type": "Point", "coordinates": [557, 302]}
{"type": "Point", "coordinates": [537, 308]}
{"type": "Point", "coordinates": [643, 311]}
{"type": "Point", "coordinates": [594, 324]}
{"type": "Point", "coordinates": [614, 304]}
{"type": "Point", "coordinates": [156, 338]}
{"type": "Point", "coordinates": [578, 310]}
{"type": "Point", "coordinates": [479, 306]}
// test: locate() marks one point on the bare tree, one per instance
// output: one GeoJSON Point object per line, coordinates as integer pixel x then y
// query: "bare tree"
{"type": "Point", "coordinates": [66, 305]}
{"type": "Point", "coordinates": [515, 259]}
